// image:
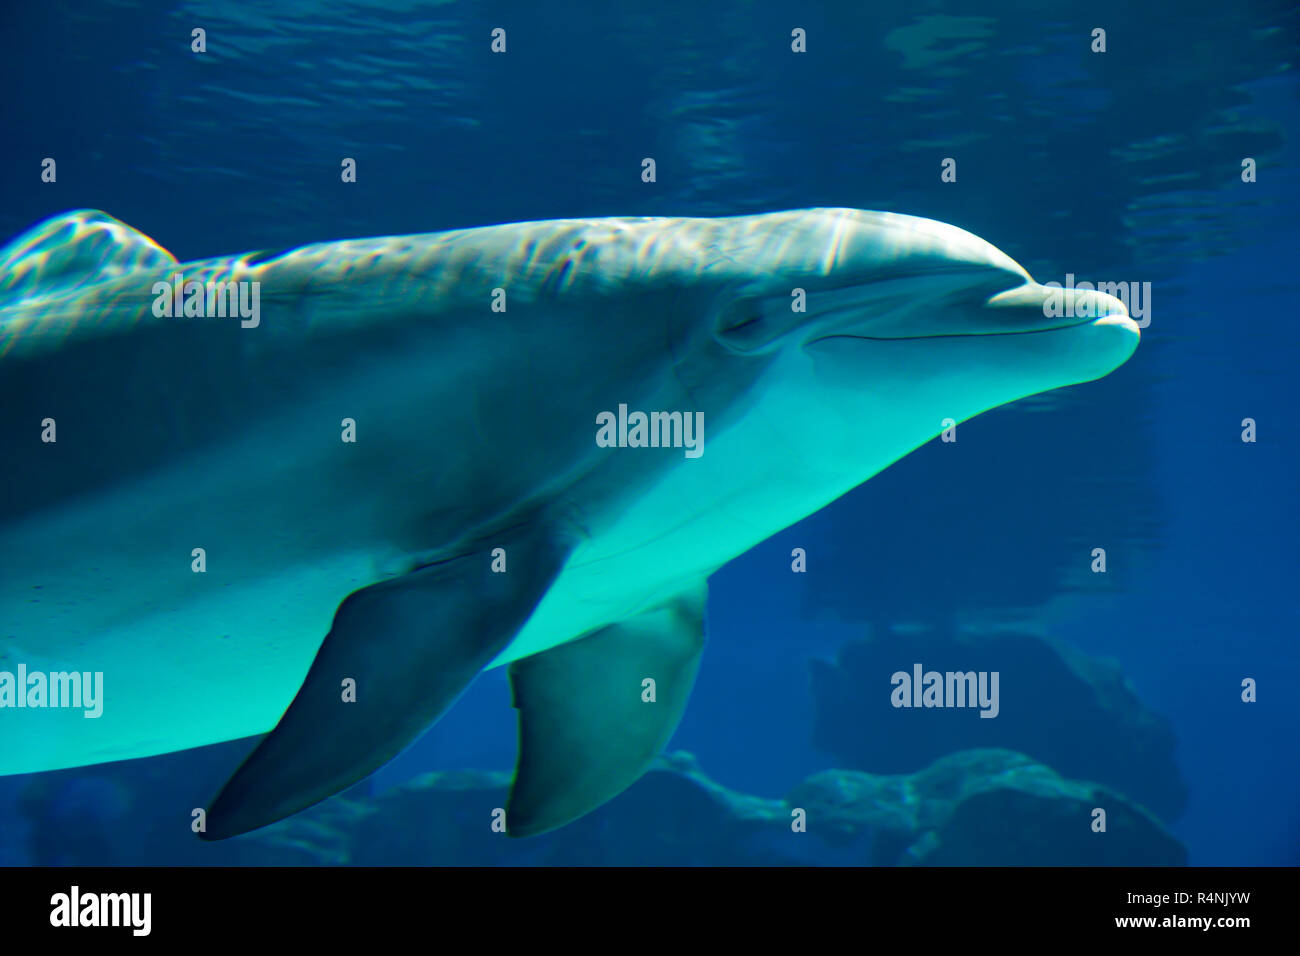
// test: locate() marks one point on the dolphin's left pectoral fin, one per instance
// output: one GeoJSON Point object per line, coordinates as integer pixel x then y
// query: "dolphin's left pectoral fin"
{"type": "Point", "coordinates": [593, 713]}
{"type": "Point", "coordinates": [398, 654]}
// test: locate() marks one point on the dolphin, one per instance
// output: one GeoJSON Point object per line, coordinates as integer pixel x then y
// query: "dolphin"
{"type": "Point", "coordinates": [524, 445]}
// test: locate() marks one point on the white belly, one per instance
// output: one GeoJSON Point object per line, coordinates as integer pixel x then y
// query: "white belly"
{"type": "Point", "coordinates": [775, 467]}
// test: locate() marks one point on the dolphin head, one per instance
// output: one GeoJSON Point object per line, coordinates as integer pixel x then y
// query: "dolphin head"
{"type": "Point", "coordinates": [897, 323]}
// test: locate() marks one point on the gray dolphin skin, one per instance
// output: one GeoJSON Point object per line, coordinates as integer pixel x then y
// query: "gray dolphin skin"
{"type": "Point", "coordinates": [525, 445]}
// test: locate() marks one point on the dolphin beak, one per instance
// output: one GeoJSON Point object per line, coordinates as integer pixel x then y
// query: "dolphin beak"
{"type": "Point", "coordinates": [1028, 307]}
{"type": "Point", "coordinates": [1038, 308]}
{"type": "Point", "coordinates": [1123, 321]}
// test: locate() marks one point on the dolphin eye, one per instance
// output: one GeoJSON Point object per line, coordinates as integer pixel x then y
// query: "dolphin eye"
{"type": "Point", "coordinates": [741, 322]}
{"type": "Point", "coordinates": [754, 324]}
{"type": "Point", "coordinates": [740, 326]}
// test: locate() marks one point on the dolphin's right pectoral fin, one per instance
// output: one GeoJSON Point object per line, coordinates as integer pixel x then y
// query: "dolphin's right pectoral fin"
{"type": "Point", "coordinates": [407, 647]}
{"type": "Point", "coordinates": [593, 713]}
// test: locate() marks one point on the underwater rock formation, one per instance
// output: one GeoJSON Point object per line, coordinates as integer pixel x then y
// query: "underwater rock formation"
{"type": "Point", "coordinates": [979, 807]}
{"type": "Point", "coordinates": [674, 815]}
{"type": "Point", "coordinates": [1074, 713]}
{"type": "Point", "coordinates": [982, 808]}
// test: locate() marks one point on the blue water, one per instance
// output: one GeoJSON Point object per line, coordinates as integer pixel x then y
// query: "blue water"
{"type": "Point", "coordinates": [1122, 165]}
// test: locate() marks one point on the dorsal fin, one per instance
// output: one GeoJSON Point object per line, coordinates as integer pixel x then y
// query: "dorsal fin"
{"type": "Point", "coordinates": [72, 250]}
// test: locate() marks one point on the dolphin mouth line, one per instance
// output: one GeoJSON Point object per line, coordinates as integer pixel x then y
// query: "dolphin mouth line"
{"type": "Point", "coordinates": [969, 335]}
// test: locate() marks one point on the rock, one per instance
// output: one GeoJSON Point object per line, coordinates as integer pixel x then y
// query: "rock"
{"type": "Point", "coordinates": [674, 815]}
{"type": "Point", "coordinates": [982, 808]}
{"type": "Point", "coordinates": [1071, 712]}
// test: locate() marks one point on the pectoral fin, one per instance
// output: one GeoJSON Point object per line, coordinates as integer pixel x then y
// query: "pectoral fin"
{"type": "Point", "coordinates": [589, 721]}
{"type": "Point", "coordinates": [411, 644]}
